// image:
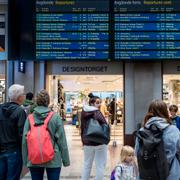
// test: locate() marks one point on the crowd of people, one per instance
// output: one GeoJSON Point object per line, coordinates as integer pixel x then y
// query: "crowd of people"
{"type": "Point", "coordinates": [31, 134]}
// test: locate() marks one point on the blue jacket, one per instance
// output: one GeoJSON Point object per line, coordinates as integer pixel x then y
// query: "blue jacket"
{"type": "Point", "coordinates": [171, 138]}
{"type": "Point", "coordinates": [177, 121]}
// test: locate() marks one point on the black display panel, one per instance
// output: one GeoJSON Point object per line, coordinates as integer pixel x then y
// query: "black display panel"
{"type": "Point", "coordinates": [21, 31]}
{"type": "Point", "coordinates": [106, 30]}
{"type": "Point", "coordinates": [147, 29]}
{"type": "Point", "coordinates": [72, 30]}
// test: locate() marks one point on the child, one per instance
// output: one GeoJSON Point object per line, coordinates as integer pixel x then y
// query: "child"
{"type": "Point", "coordinates": [173, 109]}
{"type": "Point", "coordinates": [127, 168]}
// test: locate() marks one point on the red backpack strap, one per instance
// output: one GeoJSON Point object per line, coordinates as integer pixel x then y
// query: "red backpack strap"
{"type": "Point", "coordinates": [31, 120]}
{"type": "Point", "coordinates": [49, 116]}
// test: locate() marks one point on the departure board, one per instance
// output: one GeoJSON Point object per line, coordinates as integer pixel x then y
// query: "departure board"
{"type": "Point", "coordinates": [109, 30]}
{"type": "Point", "coordinates": [147, 29]}
{"type": "Point", "coordinates": [72, 29]}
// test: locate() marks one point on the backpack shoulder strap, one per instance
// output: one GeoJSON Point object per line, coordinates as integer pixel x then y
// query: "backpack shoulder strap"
{"type": "Point", "coordinates": [119, 166]}
{"type": "Point", "coordinates": [31, 120]}
{"type": "Point", "coordinates": [48, 118]}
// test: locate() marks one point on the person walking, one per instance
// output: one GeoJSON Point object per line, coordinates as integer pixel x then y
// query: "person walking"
{"type": "Point", "coordinates": [93, 151]}
{"type": "Point", "coordinates": [57, 135]}
{"type": "Point", "coordinates": [157, 119]}
{"type": "Point", "coordinates": [11, 129]}
{"type": "Point", "coordinates": [112, 110]}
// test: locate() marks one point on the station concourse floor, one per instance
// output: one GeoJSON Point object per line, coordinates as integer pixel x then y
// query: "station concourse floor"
{"type": "Point", "coordinates": [76, 154]}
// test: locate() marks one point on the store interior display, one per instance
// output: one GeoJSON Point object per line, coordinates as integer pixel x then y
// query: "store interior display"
{"type": "Point", "coordinates": [73, 103]}
{"type": "Point", "coordinates": [76, 100]}
{"type": "Point", "coordinates": [61, 102]}
{"type": "Point", "coordinates": [2, 91]}
{"type": "Point", "coordinates": [71, 94]}
{"type": "Point", "coordinates": [171, 90]}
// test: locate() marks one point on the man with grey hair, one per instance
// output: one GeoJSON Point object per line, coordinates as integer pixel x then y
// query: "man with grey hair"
{"type": "Point", "coordinates": [12, 119]}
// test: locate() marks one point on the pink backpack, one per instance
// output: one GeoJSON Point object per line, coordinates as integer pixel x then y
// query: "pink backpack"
{"type": "Point", "coordinates": [40, 148]}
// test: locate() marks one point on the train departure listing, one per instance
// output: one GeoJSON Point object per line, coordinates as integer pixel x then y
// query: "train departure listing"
{"type": "Point", "coordinates": [146, 29]}
{"type": "Point", "coordinates": [72, 30]}
{"type": "Point", "coordinates": [107, 30]}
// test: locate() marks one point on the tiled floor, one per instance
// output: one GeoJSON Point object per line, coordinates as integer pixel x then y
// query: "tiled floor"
{"type": "Point", "coordinates": [76, 153]}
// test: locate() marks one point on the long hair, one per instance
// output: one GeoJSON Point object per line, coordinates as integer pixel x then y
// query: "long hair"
{"type": "Point", "coordinates": [157, 108]}
{"type": "Point", "coordinates": [128, 151]}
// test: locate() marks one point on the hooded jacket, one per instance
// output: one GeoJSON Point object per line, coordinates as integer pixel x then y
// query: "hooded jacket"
{"type": "Point", "coordinates": [28, 106]}
{"type": "Point", "coordinates": [58, 138]}
{"type": "Point", "coordinates": [12, 119]}
{"type": "Point", "coordinates": [171, 139]}
{"type": "Point", "coordinates": [89, 112]}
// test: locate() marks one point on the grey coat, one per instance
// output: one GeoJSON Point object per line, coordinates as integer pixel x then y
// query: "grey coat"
{"type": "Point", "coordinates": [171, 138]}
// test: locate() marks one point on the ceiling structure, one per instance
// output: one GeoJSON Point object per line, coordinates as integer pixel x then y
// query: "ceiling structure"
{"type": "Point", "coordinates": [99, 82]}
{"type": "Point", "coordinates": [91, 82]}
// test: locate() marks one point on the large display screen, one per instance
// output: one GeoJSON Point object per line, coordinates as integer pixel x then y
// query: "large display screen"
{"type": "Point", "coordinates": [147, 29]}
{"type": "Point", "coordinates": [72, 30]}
{"type": "Point", "coordinates": [106, 30]}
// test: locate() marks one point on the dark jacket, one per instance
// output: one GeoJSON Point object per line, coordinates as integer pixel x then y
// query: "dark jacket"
{"type": "Point", "coordinates": [56, 129]}
{"type": "Point", "coordinates": [12, 119]}
{"type": "Point", "coordinates": [89, 112]}
{"type": "Point", "coordinates": [112, 106]}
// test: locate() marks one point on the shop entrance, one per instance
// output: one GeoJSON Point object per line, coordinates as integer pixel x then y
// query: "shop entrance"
{"type": "Point", "coordinates": [69, 93]}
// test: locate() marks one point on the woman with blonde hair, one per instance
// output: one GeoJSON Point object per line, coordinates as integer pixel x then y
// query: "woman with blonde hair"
{"type": "Point", "coordinates": [126, 169]}
{"type": "Point", "coordinates": [157, 116]}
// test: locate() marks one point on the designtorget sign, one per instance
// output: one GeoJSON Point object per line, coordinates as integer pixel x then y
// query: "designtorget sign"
{"type": "Point", "coordinates": [85, 69]}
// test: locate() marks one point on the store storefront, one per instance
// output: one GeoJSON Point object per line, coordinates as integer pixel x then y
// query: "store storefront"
{"type": "Point", "coordinates": [137, 85]}
{"type": "Point", "coordinates": [171, 83]}
{"type": "Point", "coordinates": [70, 83]}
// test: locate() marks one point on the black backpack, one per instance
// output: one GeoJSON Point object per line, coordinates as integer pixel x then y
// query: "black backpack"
{"type": "Point", "coordinates": [151, 156]}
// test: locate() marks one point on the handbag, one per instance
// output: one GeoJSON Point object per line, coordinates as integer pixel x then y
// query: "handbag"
{"type": "Point", "coordinates": [98, 133]}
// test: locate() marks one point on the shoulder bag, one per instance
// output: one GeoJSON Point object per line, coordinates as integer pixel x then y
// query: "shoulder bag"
{"type": "Point", "coordinates": [96, 132]}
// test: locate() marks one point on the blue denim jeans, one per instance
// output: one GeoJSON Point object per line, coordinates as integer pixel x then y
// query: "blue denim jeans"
{"type": "Point", "coordinates": [38, 172]}
{"type": "Point", "coordinates": [10, 165]}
